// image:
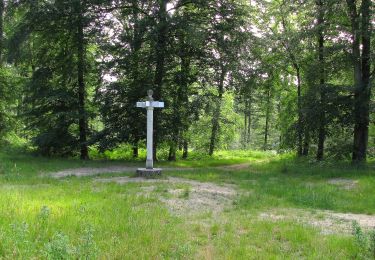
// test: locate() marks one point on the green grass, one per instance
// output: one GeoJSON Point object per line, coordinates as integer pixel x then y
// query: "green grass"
{"type": "Point", "coordinates": [285, 183]}
{"type": "Point", "coordinates": [72, 218]}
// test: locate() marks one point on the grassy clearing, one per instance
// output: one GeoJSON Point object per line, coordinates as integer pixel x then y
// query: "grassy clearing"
{"type": "Point", "coordinates": [47, 218]}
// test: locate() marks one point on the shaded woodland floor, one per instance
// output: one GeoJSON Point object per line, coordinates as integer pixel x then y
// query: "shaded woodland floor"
{"type": "Point", "coordinates": [250, 206]}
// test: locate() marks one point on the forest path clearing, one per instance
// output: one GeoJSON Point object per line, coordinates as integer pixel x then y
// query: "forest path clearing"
{"type": "Point", "coordinates": [183, 196]}
{"type": "Point", "coordinates": [190, 197]}
{"type": "Point", "coordinates": [329, 222]}
{"type": "Point", "coordinates": [92, 171]}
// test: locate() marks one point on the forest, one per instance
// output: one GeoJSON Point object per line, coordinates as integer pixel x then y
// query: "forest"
{"type": "Point", "coordinates": [263, 133]}
{"type": "Point", "coordinates": [262, 75]}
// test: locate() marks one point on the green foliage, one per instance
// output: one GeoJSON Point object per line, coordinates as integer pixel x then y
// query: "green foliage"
{"type": "Point", "coordinates": [58, 247]}
{"type": "Point", "coordinates": [228, 136]}
{"type": "Point", "coordinates": [9, 93]}
{"type": "Point", "coordinates": [233, 75]}
{"type": "Point", "coordinates": [365, 241]}
{"type": "Point", "coordinates": [50, 101]}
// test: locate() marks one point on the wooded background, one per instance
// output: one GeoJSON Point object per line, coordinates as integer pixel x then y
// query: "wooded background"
{"type": "Point", "coordinates": [275, 75]}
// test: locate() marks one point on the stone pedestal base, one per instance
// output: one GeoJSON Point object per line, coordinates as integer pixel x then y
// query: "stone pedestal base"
{"type": "Point", "coordinates": [149, 173]}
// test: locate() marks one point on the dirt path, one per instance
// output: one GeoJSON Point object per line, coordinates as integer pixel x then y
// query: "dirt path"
{"type": "Point", "coordinates": [183, 196]}
{"type": "Point", "coordinates": [328, 222]}
{"type": "Point", "coordinates": [88, 171]}
{"type": "Point", "coordinates": [91, 171]}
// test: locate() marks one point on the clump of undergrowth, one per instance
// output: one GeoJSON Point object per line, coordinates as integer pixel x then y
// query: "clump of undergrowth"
{"type": "Point", "coordinates": [44, 214]}
{"type": "Point", "coordinates": [365, 242]}
{"type": "Point", "coordinates": [59, 247]}
{"type": "Point", "coordinates": [20, 237]}
{"type": "Point", "coordinates": [87, 248]}
{"type": "Point", "coordinates": [24, 240]}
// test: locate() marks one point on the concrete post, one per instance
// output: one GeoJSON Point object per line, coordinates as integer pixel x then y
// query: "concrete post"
{"type": "Point", "coordinates": [150, 104]}
{"type": "Point", "coordinates": [150, 130]}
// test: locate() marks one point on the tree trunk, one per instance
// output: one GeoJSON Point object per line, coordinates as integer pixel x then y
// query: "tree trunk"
{"type": "Point", "coordinates": [217, 113]}
{"type": "Point", "coordinates": [160, 52]}
{"type": "Point", "coordinates": [322, 90]}
{"type": "Point", "coordinates": [361, 64]}
{"type": "Point", "coordinates": [306, 143]}
{"type": "Point", "coordinates": [186, 150]}
{"type": "Point", "coordinates": [81, 84]}
{"type": "Point", "coordinates": [135, 150]}
{"type": "Point", "coordinates": [172, 152]}
{"type": "Point", "coordinates": [136, 86]}
{"type": "Point", "coordinates": [295, 65]}
{"type": "Point", "coordinates": [299, 106]}
{"type": "Point", "coordinates": [268, 111]}
{"type": "Point", "coordinates": [180, 106]}
{"type": "Point", "coordinates": [245, 126]}
{"type": "Point", "coordinates": [249, 121]}
{"type": "Point", "coordinates": [1, 29]}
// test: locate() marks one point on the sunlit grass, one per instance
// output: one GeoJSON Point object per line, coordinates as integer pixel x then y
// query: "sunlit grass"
{"type": "Point", "coordinates": [74, 217]}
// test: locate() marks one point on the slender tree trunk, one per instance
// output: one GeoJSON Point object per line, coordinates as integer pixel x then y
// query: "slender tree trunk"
{"type": "Point", "coordinates": [265, 145]}
{"type": "Point", "coordinates": [160, 52]}
{"type": "Point", "coordinates": [268, 112]}
{"type": "Point", "coordinates": [185, 153]}
{"type": "Point", "coordinates": [135, 149]}
{"type": "Point", "coordinates": [249, 120]}
{"type": "Point", "coordinates": [322, 88]}
{"type": "Point", "coordinates": [361, 64]}
{"type": "Point", "coordinates": [306, 143]}
{"type": "Point", "coordinates": [293, 59]}
{"type": "Point", "coordinates": [81, 84]}
{"type": "Point", "coordinates": [1, 29]}
{"type": "Point", "coordinates": [217, 113]}
{"type": "Point", "coordinates": [176, 124]}
{"type": "Point", "coordinates": [136, 86]}
{"type": "Point", "coordinates": [245, 125]}
{"type": "Point", "coordinates": [172, 152]}
{"type": "Point", "coordinates": [300, 115]}
{"type": "Point", "coordinates": [180, 106]}
{"type": "Point", "coordinates": [362, 95]}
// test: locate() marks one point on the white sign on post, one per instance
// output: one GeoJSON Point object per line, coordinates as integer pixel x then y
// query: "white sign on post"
{"type": "Point", "coordinates": [150, 104]}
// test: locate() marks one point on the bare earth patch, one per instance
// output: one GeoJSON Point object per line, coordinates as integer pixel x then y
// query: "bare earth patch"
{"type": "Point", "coordinates": [184, 196]}
{"type": "Point", "coordinates": [346, 184]}
{"type": "Point", "coordinates": [236, 167]}
{"type": "Point", "coordinates": [328, 222]}
{"type": "Point", "coordinates": [91, 171]}
{"type": "Point", "coordinates": [187, 197]}
{"type": "Point", "coordinates": [88, 171]}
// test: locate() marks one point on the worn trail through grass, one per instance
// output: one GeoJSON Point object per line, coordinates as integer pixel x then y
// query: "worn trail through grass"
{"type": "Point", "coordinates": [91, 171]}
{"type": "Point", "coordinates": [244, 208]}
{"type": "Point", "coordinates": [197, 197]}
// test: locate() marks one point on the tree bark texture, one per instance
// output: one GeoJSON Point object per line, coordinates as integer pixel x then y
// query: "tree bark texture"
{"type": "Point", "coordinates": [361, 29]}
{"type": "Point", "coordinates": [322, 91]}
{"type": "Point", "coordinates": [81, 84]}
{"type": "Point", "coordinates": [217, 113]}
{"type": "Point", "coordinates": [185, 152]}
{"type": "Point", "coordinates": [268, 113]}
{"type": "Point", "coordinates": [1, 29]}
{"type": "Point", "coordinates": [160, 53]}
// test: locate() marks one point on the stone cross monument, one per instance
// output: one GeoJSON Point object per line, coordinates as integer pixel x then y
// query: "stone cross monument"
{"type": "Point", "coordinates": [150, 104]}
